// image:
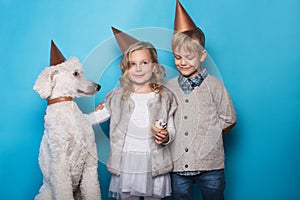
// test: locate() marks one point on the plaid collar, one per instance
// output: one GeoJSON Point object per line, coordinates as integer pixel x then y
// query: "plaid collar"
{"type": "Point", "coordinates": [189, 84]}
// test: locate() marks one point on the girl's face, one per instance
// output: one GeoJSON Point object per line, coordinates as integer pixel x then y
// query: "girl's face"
{"type": "Point", "coordinates": [187, 62]}
{"type": "Point", "coordinates": [140, 70]}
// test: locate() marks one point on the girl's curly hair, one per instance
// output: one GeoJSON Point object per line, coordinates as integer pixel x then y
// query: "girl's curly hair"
{"type": "Point", "coordinates": [158, 74]}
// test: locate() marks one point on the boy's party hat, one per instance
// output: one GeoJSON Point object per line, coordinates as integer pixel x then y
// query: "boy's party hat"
{"type": "Point", "coordinates": [56, 56]}
{"type": "Point", "coordinates": [182, 22]}
{"type": "Point", "coordinates": [124, 40]}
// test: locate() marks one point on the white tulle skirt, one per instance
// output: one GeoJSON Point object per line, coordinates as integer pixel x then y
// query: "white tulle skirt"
{"type": "Point", "coordinates": [136, 178]}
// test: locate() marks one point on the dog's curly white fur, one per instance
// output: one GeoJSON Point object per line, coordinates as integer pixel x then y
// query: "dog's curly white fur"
{"type": "Point", "coordinates": [68, 156]}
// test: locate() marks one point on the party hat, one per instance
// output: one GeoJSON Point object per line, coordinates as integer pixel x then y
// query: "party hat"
{"type": "Point", "coordinates": [124, 40]}
{"type": "Point", "coordinates": [56, 56]}
{"type": "Point", "coordinates": [182, 22]}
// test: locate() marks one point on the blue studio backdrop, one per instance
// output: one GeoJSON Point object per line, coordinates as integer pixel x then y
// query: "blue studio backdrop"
{"type": "Point", "coordinates": [253, 47]}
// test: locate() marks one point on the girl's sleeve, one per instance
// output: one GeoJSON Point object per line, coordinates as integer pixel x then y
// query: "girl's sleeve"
{"type": "Point", "coordinates": [171, 126]}
{"type": "Point", "coordinates": [171, 130]}
{"type": "Point", "coordinates": [98, 116]}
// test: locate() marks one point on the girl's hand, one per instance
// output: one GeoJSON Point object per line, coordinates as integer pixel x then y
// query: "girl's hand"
{"type": "Point", "coordinates": [161, 136]}
{"type": "Point", "coordinates": [100, 106]}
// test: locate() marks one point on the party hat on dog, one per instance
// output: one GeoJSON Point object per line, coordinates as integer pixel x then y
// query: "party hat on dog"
{"type": "Point", "coordinates": [124, 40]}
{"type": "Point", "coordinates": [56, 56]}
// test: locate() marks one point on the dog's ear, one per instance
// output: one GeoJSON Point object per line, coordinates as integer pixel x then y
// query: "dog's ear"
{"type": "Point", "coordinates": [44, 84]}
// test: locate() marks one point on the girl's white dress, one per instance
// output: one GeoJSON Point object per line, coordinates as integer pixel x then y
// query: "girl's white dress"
{"type": "Point", "coordinates": [136, 177]}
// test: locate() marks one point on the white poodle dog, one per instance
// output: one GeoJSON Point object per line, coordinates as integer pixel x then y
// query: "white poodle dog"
{"type": "Point", "coordinates": [68, 156]}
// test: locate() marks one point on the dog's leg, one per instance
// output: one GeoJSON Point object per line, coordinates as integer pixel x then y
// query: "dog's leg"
{"type": "Point", "coordinates": [60, 175]}
{"type": "Point", "coordinates": [90, 187]}
{"type": "Point", "coordinates": [44, 193]}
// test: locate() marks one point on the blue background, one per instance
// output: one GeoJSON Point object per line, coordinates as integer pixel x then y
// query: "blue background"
{"type": "Point", "coordinates": [255, 45]}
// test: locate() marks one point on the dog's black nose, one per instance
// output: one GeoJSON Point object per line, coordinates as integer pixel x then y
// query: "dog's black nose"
{"type": "Point", "coordinates": [98, 87]}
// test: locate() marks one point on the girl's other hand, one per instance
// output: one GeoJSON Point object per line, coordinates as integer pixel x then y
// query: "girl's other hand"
{"type": "Point", "coordinates": [161, 136]}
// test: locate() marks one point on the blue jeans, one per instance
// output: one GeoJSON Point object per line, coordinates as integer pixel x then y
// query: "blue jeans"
{"type": "Point", "coordinates": [211, 183]}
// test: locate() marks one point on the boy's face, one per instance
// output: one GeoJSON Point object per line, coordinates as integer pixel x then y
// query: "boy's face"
{"type": "Point", "coordinates": [187, 62]}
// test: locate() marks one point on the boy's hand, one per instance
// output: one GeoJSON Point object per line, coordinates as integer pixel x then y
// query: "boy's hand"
{"type": "Point", "coordinates": [100, 106]}
{"type": "Point", "coordinates": [161, 136]}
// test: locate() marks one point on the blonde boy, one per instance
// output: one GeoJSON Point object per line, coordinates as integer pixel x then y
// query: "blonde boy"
{"type": "Point", "coordinates": [204, 112]}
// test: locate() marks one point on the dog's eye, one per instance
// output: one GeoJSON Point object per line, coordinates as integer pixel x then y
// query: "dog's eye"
{"type": "Point", "coordinates": [75, 73]}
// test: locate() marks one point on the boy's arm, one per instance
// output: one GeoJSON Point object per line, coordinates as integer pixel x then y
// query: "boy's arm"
{"type": "Point", "coordinates": [228, 128]}
{"type": "Point", "coordinates": [227, 112]}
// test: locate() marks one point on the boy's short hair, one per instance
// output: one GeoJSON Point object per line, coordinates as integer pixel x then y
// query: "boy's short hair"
{"type": "Point", "coordinates": [191, 39]}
